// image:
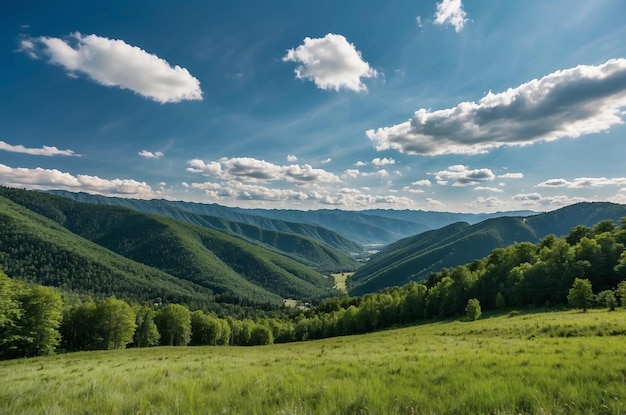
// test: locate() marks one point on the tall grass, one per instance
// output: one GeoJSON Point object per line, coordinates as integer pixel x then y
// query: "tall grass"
{"type": "Point", "coordinates": [553, 363]}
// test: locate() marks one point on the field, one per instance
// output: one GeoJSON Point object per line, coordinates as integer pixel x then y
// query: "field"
{"type": "Point", "coordinates": [562, 362]}
{"type": "Point", "coordinates": [340, 280]}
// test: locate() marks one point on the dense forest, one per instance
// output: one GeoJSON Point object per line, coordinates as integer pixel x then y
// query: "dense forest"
{"type": "Point", "coordinates": [587, 267]}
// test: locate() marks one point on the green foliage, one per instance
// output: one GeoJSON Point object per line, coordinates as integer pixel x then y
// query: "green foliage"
{"type": "Point", "coordinates": [29, 319]}
{"type": "Point", "coordinates": [208, 330]}
{"type": "Point", "coordinates": [500, 301]}
{"type": "Point", "coordinates": [621, 292]}
{"type": "Point", "coordinates": [607, 299]}
{"type": "Point", "coordinates": [174, 324]}
{"type": "Point", "coordinates": [116, 323]}
{"type": "Point", "coordinates": [581, 294]}
{"type": "Point", "coordinates": [146, 332]}
{"type": "Point", "coordinates": [472, 310]}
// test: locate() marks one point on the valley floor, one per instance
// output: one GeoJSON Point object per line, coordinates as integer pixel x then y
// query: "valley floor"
{"type": "Point", "coordinates": [561, 362]}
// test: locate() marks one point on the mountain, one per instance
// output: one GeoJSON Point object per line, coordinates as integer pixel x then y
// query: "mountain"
{"type": "Point", "coordinates": [217, 262]}
{"type": "Point", "coordinates": [231, 220]}
{"type": "Point", "coordinates": [345, 230]}
{"type": "Point", "coordinates": [37, 249]}
{"type": "Point", "coordinates": [414, 258]}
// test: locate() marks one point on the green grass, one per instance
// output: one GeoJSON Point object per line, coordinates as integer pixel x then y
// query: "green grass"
{"type": "Point", "coordinates": [340, 280]}
{"type": "Point", "coordinates": [552, 363]}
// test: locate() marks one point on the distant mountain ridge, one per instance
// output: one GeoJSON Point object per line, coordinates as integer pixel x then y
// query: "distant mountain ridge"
{"type": "Point", "coordinates": [414, 258]}
{"type": "Point", "coordinates": [341, 229]}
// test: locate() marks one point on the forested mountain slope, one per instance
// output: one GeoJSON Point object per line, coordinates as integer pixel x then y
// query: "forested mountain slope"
{"type": "Point", "coordinates": [224, 264]}
{"type": "Point", "coordinates": [416, 257]}
{"type": "Point", "coordinates": [337, 228]}
{"type": "Point", "coordinates": [231, 220]}
{"type": "Point", "coordinates": [37, 249]}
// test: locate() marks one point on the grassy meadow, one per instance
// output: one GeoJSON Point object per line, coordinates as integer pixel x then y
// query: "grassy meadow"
{"type": "Point", "coordinates": [564, 362]}
{"type": "Point", "coordinates": [340, 280]}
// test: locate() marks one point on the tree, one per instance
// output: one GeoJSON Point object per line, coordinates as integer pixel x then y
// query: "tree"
{"type": "Point", "coordinates": [146, 333]}
{"type": "Point", "coordinates": [10, 312]}
{"type": "Point", "coordinates": [581, 294]}
{"type": "Point", "coordinates": [40, 320]}
{"type": "Point", "coordinates": [174, 324]}
{"type": "Point", "coordinates": [472, 310]}
{"type": "Point", "coordinates": [621, 292]}
{"type": "Point", "coordinates": [607, 299]}
{"type": "Point", "coordinates": [117, 323]}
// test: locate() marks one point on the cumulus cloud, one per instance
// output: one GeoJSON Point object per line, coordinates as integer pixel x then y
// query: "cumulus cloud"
{"type": "Point", "coordinates": [343, 197]}
{"type": "Point", "coordinates": [566, 103]}
{"type": "Point", "coordinates": [46, 179]}
{"type": "Point", "coordinates": [331, 62]}
{"type": "Point", "coordinates": [434, 202]}
{"type": "Point", "coordinates": [460, 175]}
{"type": "Point", "coordinates": [246, 168]}
{"type": "Point", "coordinates": [360, 163]}
{"type": "Point", "coordinates": [291, 158]}
{"type": "Point", "coordinates": [483, 203]}
{"type": "Point", "coordinates": [489, 189]}
{"type": "Point", "coordinates": [44, 151]}
{"type": "Point", "coordinates": [535, 199]}
{"type": "Point", "coordinates": [424, 182]}
{"type": "Point", "coordinates": [351, 173]}
{"type": "Point", "coordinates": [512, 176]}
{"type": "Point", "coordinates": [450, 12]}
{"type": "Point", "coordinates": [151, 155]}
{"type": "Point", "coordinates": [383, 162]}
{"type": "Point", "coordinates": [113, 62]}
{"type": "Point", "coordinates": [584, 182]}
{"type": "Point", "coordinates": [327, 160]}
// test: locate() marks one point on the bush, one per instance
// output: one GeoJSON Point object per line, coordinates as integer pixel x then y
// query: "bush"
{"type": "Point", "coordinates": [472, 310]}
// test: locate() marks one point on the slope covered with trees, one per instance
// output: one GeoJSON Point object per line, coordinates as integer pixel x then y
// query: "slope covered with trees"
{"type": "Point", "coordinates": [219, 263]}
{"type": "Point", "coordinates": [271, 232]}
{"type": "Point", "coordinates": [414, 258]}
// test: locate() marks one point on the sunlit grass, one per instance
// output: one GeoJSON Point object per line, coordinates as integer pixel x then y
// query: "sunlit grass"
{"type": "Point", "coordinates": [340, 280]}
{"type": "Point", "coordinates": [553, 363]}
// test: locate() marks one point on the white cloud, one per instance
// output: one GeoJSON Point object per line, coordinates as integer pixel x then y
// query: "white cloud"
{"type": "Point", "coordinates": [291, 158]}
{"type": "Point", "coordinates": [44, 151]}
{"type": "Point", "coordinates": [213, 168]}
{"type": "Point", "coordinates": [424, 182]}
{"type": "Point", "coordinates": [511, 176]}
{"type": "Point", "coordinates": [331, 62]}
{"type": "Point", "coordinates": [567, 103]}
{"type": "Point", "coordinates": [486, 203]}
{"type": "Point", "coordinates": [352, 173]}
{"type": "Point", "coordinates": [450, 12]}
{"type": "Point", "coordinates": [46, 179]}
{"type": "Point", "coordinates": [489, 189]}
{"type": "Point", "coordinates": [460, 175]}
{"type": "Point", "coordinates": [537, 200]}
{"type": "Point", "coordinates": [151, 155]}
{"type": "Point", "coordinates": [434, 202]}
{"type": "Point", "coordinates": [326, 161]}
{"type": "Point", "coordinates": [411, 190]}
{"type": "Point", "coordinates": [584, 182]}
{"type": "Point", "coordinates": [246, 168]}
{"type": "Point", "coordinates": [383, 162]}
{"type": "Point", "coordinates": [360, 163]}
{"type": "Point", "coordinates": [112, 62]}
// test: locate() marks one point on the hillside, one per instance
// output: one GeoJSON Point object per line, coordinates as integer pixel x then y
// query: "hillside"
{"type": "Point", "coordinates": [337, 228]}
{"type": "Point", "coordinates": [39, 250]}
{"type": "Point", "coordinates": [226, 265]}
{"type": "Point", "coordinates": [416, 257]}
{"type": "Point", "coordinates": [231, 220]}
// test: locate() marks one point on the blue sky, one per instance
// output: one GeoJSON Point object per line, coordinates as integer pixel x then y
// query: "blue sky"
{"type": "Point", "coordinates": [464, 106]}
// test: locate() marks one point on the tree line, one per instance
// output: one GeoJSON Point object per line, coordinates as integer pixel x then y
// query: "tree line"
{"type": "Point", "coordinates": [587, 267]}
